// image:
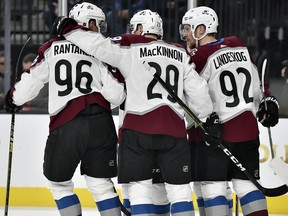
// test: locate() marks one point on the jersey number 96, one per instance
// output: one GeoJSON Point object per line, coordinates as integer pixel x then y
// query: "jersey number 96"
{"type": "Point", "coordinates": [68, 82]}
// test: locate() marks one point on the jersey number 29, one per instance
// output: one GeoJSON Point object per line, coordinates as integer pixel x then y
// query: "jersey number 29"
{"type": "Point", "coordinates": [173, 87]}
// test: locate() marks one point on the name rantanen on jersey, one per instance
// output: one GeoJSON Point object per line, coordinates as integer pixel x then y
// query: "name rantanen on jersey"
{"type": "Point", "coordinates": [68, 48]}
{"type": "Point", "coordinates": [162, 51]}
{"type": "Point", "coordinates": [228, 57]}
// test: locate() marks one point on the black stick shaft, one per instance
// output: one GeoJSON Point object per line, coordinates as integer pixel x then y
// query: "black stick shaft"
{"type": "Point", "coordinates": [180, 102]}
{"type": "Point", "coordinates": [122, 207]}
{"type": "Point", "coordinates": [11, 143]}
{"type": "Point", "coordinates": [265, 104]}
{"type": "Point", "coordinates": [237, 206]}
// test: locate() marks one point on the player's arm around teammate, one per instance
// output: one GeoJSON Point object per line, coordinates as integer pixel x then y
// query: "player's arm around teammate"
{"type": "Point", "coordinates": [153, 120]}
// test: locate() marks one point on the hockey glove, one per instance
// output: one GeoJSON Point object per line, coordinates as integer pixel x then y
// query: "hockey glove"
{"type": "Point", "coordinates": [212, 133]}
{"type": "Point", "coordinates": [8, 104]}
{"type": "Point", "coordinates": [268, 117]}
{"type": "Point", "coordinates": [60, 25]}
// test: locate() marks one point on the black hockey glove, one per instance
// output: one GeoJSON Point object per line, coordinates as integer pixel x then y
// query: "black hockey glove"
{"type": "Point", "coordinates": [61, 23]}
{"type": "Point", "coordinates": [269, 117]}
{"type": "Point", "coordinates": [8, 104]}
{"type": "Point", "coordinates": [212, 134]}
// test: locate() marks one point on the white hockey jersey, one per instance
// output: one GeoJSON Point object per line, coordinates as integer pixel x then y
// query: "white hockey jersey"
{"type": "Point", "coordinates": [234, 86]}
{"type": "Point", "coordinates": [72, 74]}
{"type": "Point", "coordinates": [148, 107]}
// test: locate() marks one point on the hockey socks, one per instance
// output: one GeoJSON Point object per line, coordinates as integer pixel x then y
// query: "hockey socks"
{"type": "Point", "coordinates": [254, 204]}
{"type": "Point", "coordinates": [146, 209]}
{"type": "Point", "coordinates": [142, 210]}
{"type": "Point", "coordinates": [201, 208]}
{"type": "Point", "coordinates": [109, 207]}
{"type": "Point", "coordinates": [69, 206]}
{"type": "Point", "coordinates": [230, 206]}
{"type": "Point", "coordinates": [162, 210]}
{"type": "Point", "coordinates": [126, 204]}
{"type": "Point", "coordinates": [216, 206]}
{"type": "Point", "coordinates": [182, 209]}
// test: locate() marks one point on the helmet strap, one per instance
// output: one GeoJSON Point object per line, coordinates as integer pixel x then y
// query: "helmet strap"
{"type": "Point", "coordinates": [197, 40]}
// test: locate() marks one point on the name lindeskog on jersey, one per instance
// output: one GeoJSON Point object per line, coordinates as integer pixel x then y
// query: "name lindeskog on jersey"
{"type": "Point", "coordinates": [161, 51]}
{"type": "Point", "coordinates": [67, 48]}
{"type": "Point", "coordinates": [227, 57]}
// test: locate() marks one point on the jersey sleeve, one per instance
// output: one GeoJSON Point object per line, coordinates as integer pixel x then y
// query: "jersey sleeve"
{"type": "Point", "coordinates": [111, 90]}
{"type": "Point", "coordinates": [31, 82]}
{"type": "Point", "coordinates": [100, 47]}
{"type": "Point", "coordinates": [197, 93]}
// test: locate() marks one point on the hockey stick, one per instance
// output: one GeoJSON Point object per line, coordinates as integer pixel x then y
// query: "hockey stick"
{"type": "Point", "coordinates": [11, 142]}
{"type": "Point", "coordinates": [271, 192]}
{"type": "Point", "coordinates": [9, 163]}
{"type": "Point", "coordinates": [124, 210]}
{"type": "Point", "coordinates": [277, 165]}
{"type": "Point", "coordinates": [237, 206]}
{"type": "Point", "coordinates": [122, 207]}
{"type": "Point", "coordinates": [265, 104]}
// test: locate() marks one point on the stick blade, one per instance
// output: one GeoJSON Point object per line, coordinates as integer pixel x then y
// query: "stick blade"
{"type": "Point", "coordinates": [280, 168]}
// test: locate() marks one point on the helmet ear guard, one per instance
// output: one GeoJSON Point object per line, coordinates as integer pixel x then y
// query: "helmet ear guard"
{"type": "Point", "coordinates": [150, 21]}
{"type": "Point", "coordinates": [199, 16]}
{"type": "Point", "coordinates": [85, 12]}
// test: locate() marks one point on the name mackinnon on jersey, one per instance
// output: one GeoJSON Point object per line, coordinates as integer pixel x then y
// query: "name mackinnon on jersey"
{"type": "Point", "coordinates": [161, 51]}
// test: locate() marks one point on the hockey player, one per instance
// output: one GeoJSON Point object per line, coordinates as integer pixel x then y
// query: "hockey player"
{"type": "Point", "coordinates": [81, 95]}
{"type": "Point", "coordinates": [153, 125]}
{"type": "Point", "coordinates": [161, 203]}
{"type": "Point", "coordinates": [158, 192]}
{"type": "Point", "coordinates": [236, 94]}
